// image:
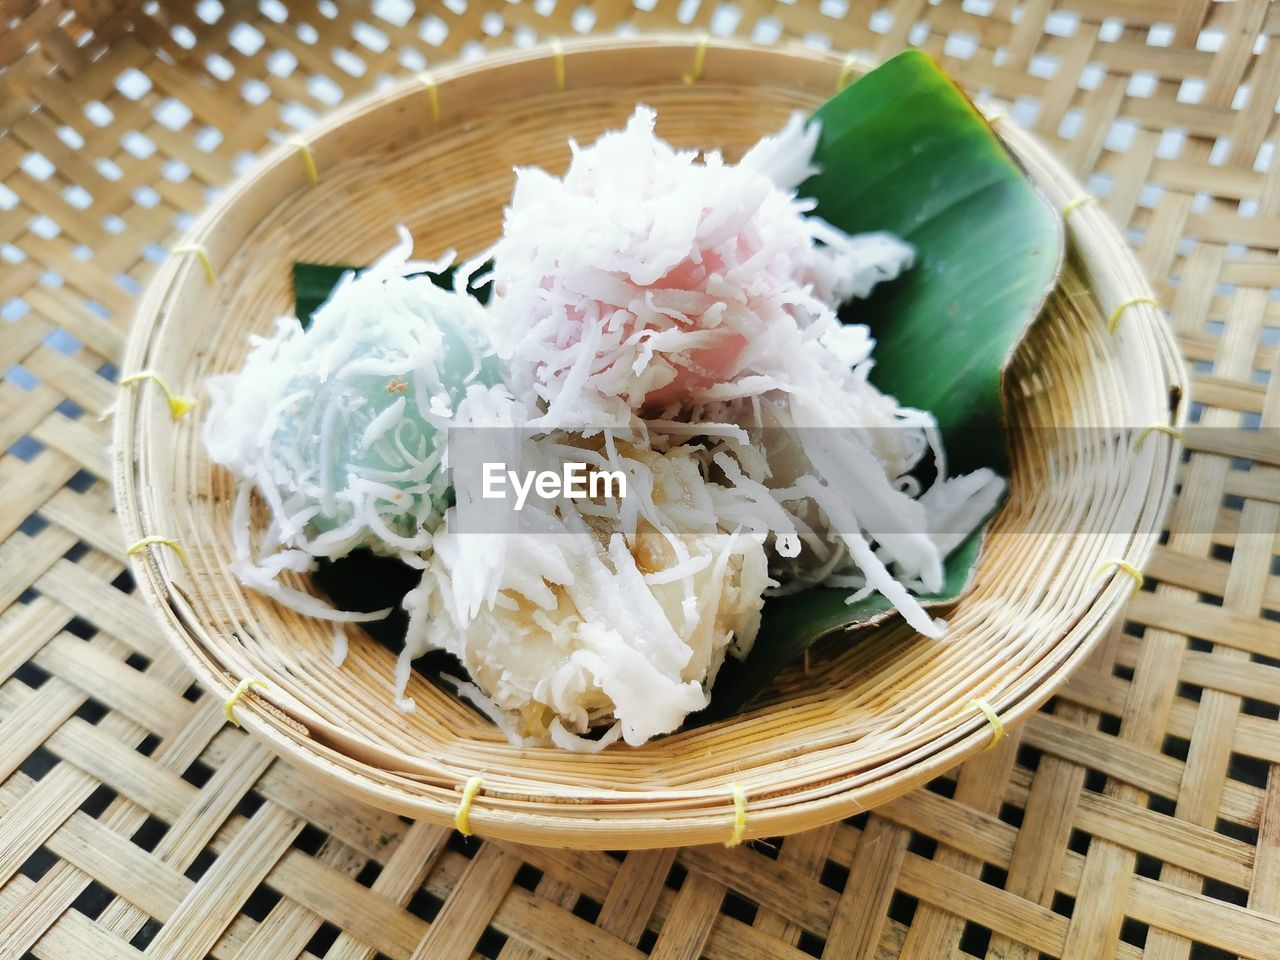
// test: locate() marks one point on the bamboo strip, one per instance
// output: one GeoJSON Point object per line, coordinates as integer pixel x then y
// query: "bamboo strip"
{"type": "Point", "coordinates": [866, 727]}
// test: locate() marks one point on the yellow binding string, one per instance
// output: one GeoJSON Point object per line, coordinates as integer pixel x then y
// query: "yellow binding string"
{"type": "Point", "coordinates": [199, 250]}
{"type": "Point", "coordinates": [1078, 202]}
{"type": "Point", "coordinates": [433, 95]}
{"type": "Point", "coordinates": [558, 62]}
{"type": "Point", "coordinates": [1157, 428]}
{"type": "Point", "coordinates": [1114, 320]}
{"type": "Point", "coordinates": [308, 158]}
{"type": "Point", "coordinates": [156, 541]}
{"type": "Point", "coordinates": [241, 689]}
{"type": "Point", "coordinates": [739, 816]}
{"type": "Point", "coordinates": [699, 61]}
{"type": "Point", "coordinates": [462, 817]}
{"type": "Point", "coordinates": [178, 405]}
{"type": "Point", "coordinates": [993, 718]}
{"type": "Point", "coordinates": [846, 71]}
{"type": "Point", "coordinates": [1127, 567]}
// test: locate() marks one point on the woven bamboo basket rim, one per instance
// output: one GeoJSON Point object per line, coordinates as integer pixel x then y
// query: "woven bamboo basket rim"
{"type": "Point", "coordinates": [877, 718]}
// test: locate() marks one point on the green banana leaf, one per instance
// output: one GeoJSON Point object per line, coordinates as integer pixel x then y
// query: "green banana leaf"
{"type": "Point", "coordinates": [313, 282]}
{"type": "Point", "coordinates": [902, 150]}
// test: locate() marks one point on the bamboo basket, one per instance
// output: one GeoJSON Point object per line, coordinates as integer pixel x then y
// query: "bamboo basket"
{"type": "Point", "coordinates": [871, 720]}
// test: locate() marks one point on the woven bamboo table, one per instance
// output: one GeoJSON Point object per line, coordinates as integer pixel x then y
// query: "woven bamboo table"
{"type": "Point", "coordinates": [1138, 814]}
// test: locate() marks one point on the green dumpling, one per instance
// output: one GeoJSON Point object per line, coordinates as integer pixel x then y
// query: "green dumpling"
{"type": "Point", "coordinates": [340, 426]}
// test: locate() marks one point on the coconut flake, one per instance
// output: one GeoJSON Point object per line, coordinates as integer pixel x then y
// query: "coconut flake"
{"type": "Point", "coordinates": [649, 282]}
{"type": "Point", "coordinates": [337, 426]}
{"type": "Point", "coordinates": [646, 276]}
{"type": "Point", "coordinates": [570, 620]}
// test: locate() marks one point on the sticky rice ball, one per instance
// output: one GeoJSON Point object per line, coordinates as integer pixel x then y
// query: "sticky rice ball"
{"type": "Point", "coordinates": [585, 618]}
{"type": "Point", "coordinates": [646, 279]}
{"type": "Point", "coordinates": [339, 426]}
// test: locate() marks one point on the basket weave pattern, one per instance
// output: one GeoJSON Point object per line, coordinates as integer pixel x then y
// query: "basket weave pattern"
{"type": "Point", "coordinates": [877, 717]}
{"type": "Point", "coordinates": [1141, 809]}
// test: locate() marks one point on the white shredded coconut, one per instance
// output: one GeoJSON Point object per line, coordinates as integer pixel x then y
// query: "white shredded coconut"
{"type": "Point", "coordinates": [339, 654]}
{"type": "Point", "coordinates": [666, 315]}
{"type": "Point", "coordinates": [649, 283]}
{"type": "Point", "coordinates": [647, 278]}
{"type": "Point", "coordinates": [337, 426]}
{"type": "Point", "coordinates": [570, 622]}
{"type": "Point", "coordinates": [788, 545]}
